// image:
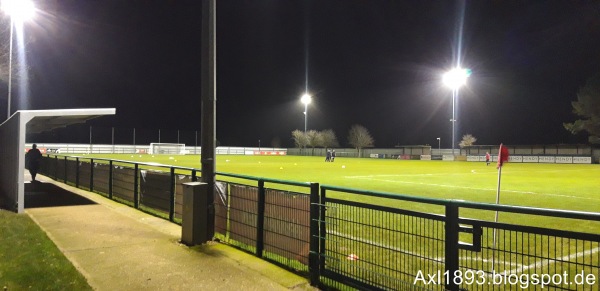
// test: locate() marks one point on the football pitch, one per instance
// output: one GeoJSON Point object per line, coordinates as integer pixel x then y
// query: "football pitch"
{"type": "Point", "coordinates": [556, 186]}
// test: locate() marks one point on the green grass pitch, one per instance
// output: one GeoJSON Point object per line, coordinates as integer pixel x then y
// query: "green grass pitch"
{"type": "Point", "coordinates": [556, 186]}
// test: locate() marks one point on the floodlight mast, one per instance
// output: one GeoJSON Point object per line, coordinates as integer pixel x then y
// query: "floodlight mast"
{"type": "Point", "coordinates": [454, 79]}
{"type": "Point", "coordinates": [19, 11]}
{"type": "Point", "coordinates": [306, 99]}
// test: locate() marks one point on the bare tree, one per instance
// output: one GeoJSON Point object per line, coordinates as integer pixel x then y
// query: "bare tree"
{"type": "Point", "coordinates": [359, 137]}
{"type": "Point", "coordinates": [467, 140]}
{"type": "Point", "coordinates": [315, 139]}
{"type": "Point", "coordinates": [329, 139]}
{"type": "Point", "coordinates": [299, 138]}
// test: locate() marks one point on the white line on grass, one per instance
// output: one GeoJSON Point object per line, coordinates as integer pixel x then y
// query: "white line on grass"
{"type": "Point", "coordinates": [457, 174]}
{"type": "Point", "coordinates": [437, 259]}
{"type": "Point", "coordinates": [546, 262]}
{"type": "Point", "coordinates": [520, 268]}
{"type": "Point", "coordinates": [474, 188]}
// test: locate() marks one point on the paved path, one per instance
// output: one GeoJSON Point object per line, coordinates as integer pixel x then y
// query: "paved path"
{"type": "Point", "coordinates": [119, 248]}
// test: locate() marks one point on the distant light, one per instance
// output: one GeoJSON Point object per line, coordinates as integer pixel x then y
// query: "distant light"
{"type": "Point", "coordinates": [19, 10]}
{"type": "Point", "coordinates": [455, 78]}
{"type": "Point", "coordinates": [306, 99]}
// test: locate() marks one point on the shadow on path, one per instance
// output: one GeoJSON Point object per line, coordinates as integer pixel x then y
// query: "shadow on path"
{"type": "Point", "coordinates": [40, 194]}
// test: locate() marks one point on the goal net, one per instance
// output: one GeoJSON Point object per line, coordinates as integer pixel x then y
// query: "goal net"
{"type": "Point", "coordinates": [167, 149]}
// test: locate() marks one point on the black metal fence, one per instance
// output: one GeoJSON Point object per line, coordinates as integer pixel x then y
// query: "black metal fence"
{"type": "Point", "coordinates": [370, 246]}
{"type": "Point", "coordinates": [352, 239]}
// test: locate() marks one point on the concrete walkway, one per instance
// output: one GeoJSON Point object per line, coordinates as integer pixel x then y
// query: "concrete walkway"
{"type": "Point", "coordinates": [119, 248]}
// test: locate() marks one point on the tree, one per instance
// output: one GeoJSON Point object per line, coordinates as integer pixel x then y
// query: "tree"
{"type": "Point", "coordinates": [359, 137]}
{"type": "Point", "coordinates": [299, 138]}
{"type": "Point", "coordinates": [467, 140]}
{"type": "Point", "coordinates": [587, 106]}
{"type": "Point", "coordinates": [315, 139]}
{"type": "Point", "coordinates": [329, 139]}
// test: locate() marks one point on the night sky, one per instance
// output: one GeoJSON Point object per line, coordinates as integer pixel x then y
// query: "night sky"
{"type": "Point", "coordinates": [375, 63]}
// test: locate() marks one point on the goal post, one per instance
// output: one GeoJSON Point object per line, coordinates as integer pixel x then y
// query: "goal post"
{"type": "Point", "coordinates": [167, 149]}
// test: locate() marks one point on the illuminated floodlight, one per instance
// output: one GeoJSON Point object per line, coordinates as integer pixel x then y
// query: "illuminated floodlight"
{"type": "Point", "coordinates": [306, 98]}
{"type": "Point", "coordinates": [456, 77]}
{"type": "Point", "coordinates": [19, 10]}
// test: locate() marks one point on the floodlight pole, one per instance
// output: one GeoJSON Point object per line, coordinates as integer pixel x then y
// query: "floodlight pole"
{"type": "Point", "coordinates": [454, 79]}
{"type": "Point", "coordinates": [453, 120]}
{"type": "Point", "coordinates": [10, 67]}
{"type": "Point", "coordinates": [306, 98]}
{"type": "Point", "coordinates": [113, 139]}
{"type": "Point", "coordinates": [91, 139]}
{"type": "Point", "coordinates": [209, 98]}
{"type": "Point", "coordinates": [305, 116]}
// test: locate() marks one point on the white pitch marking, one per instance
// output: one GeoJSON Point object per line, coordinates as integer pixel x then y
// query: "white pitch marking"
{"type": "Point", "coordinates": [438, 259]}
{"type": "Point", "coordinates": [482, 189]}
{"type": "Point", "coordinates": [546, 262]}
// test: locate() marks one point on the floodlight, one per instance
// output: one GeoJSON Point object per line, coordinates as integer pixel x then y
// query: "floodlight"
{"type": "Point", "coordinates": [19, 10]}
{"type": "Point", "coordinates": [306, 98]}
{"type": "Point", "coordinates": [456, 77]}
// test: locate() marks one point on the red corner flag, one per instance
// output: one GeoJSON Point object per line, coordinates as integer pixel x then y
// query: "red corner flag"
{"type": "Point", "coordinates": [502, 156]}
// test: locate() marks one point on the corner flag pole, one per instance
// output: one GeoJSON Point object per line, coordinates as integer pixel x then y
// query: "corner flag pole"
{"type": "Point", "coordinates": [502, 157]}
{"type": "Point", "coordinates": [497, 201]}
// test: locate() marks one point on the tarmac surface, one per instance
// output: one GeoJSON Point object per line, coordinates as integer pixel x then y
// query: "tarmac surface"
{"type": "Point", "coordinates": [119, 248]}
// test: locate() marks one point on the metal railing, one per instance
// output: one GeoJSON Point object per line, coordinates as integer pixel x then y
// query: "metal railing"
{"type": "Point", "coordinates": [348, 238]}
{"type": "Point", "coordinates": [370, 246]}
{"type": "Point", "coordinates": [137, 184]}
{"type": "Point", "coordinates": [251, 213]}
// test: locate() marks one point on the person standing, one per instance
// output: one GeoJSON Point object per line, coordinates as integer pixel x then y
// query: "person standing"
{"type": "Point", "coordinates": [332, 155]}
{"type": "Point", "coordinates": [328, 156]}
{"type": "Point", "coordinates": [487, 158]}
{"type": "Point", "coordinates": [32, 161]}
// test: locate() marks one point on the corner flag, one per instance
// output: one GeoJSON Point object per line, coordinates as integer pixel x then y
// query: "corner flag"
{"type": "Point", "coordinates": [502, 156]}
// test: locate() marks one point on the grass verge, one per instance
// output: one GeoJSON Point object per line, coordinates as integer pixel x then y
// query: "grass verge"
{"type": "Point", "coordinates": [30, 260]}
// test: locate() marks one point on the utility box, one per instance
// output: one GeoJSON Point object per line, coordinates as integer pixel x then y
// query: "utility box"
{"type": "Point", "coordinates": [194, 224]}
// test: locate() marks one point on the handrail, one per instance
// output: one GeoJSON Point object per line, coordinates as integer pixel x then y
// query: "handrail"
{"type": "Point", "coordinates": [267, 180]}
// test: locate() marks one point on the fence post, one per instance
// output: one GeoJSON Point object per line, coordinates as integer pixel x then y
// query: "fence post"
{"type": "Point", "coordinates": [91, 175]}
{"type": "Point", "coordinates": [77, 172]}
{"type": "Point", "coordinates": [136, 181]}
{"type": "Point", "coordinates": [322, 229]}
{"type": "Point", "coordinates": [260, 219]}
{"type": "Point", "coordinates": [55, 167]}
{"type": "Point", "coordinates": [451, 246]}
{"type": "Point", "coordinates": [313, 255]}
{"type": "Point", "coordinates": [65, 177]}
{"type": "Point", "coordinates": [172, 196]}
{"type": "Point", "coordinates": [110, 179]}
